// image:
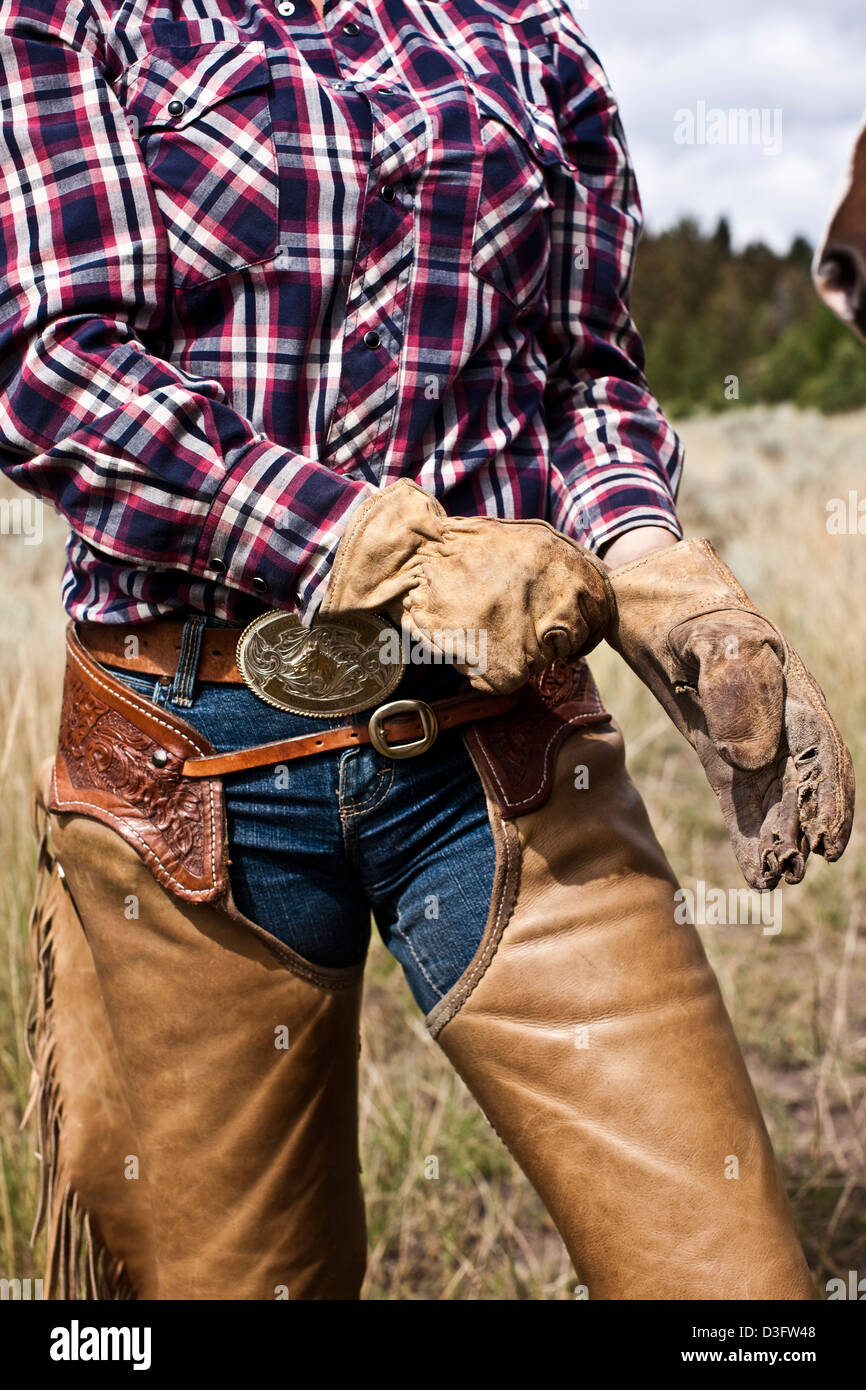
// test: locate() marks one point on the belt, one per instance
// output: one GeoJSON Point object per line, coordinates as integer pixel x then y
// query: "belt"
{"type": "Point", "coordinates": [152, 649]}
{"type": "Point", "coordinates": [332, 668]}
{"type": "Point", "coordinates": [399, 729]}
{"type": "Point", "coordinates": [396, 728]}
{"type": "Point", "coordinates": [139, 768]}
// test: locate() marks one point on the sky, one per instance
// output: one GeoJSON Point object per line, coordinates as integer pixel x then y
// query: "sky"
{"type": "Point", "coordinates": [803, 65]}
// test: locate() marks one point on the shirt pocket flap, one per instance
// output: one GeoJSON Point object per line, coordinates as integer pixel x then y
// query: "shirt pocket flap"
{"type": "Point", "coordinates": [535, 126]}
{"type": "Point", "coordinates": [175, 86]}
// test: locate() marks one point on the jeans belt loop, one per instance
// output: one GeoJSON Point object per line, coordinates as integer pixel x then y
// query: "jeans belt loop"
{"type": "Point", "coordinates": [182, 686]}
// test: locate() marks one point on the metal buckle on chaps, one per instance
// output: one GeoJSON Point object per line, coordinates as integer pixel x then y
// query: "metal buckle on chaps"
{"type": "Point", "coordinates": [331, 668]}
{"type": "Point", "coordinates": [429, 727]}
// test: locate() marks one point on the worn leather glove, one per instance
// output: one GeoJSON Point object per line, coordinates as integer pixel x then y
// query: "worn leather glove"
{"type": "Point", "coordinates": [743, 698]}
{"type": "Point", "coordinates": [534, 593]}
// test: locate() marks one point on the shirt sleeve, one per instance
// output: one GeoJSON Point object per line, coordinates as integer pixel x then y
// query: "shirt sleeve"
{"type": "Point", "coordinates": [145, 461]}
{"type": "Point", "coordinates": [615, 460]}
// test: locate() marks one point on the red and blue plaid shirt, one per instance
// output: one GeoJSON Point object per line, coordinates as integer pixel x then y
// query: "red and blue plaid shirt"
{"type": "Point", "coordinates": [256, 265]}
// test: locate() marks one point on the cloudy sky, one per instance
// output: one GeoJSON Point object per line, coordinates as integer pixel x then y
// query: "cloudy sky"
{"type": "Point", "coordinates": [806, 61]}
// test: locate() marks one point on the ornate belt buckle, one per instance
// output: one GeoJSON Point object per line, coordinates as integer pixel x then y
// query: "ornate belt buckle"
{"type": "Point", "coordinates": [332, 668]}
{"type": "Point", "coordinates": [429, 728]}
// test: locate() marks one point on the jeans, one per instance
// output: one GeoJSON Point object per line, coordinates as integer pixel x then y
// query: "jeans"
{"type": "Point", "coordinates": [319, 844]}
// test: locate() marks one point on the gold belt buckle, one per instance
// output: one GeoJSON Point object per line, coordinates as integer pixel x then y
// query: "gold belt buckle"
{"type": "Point", "coordinates": [335, 667]}
{"type": "Point", "coordinates": [429, 726]}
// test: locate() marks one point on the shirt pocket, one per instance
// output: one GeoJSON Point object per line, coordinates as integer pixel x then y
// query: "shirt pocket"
{"type": "Point", "coordinates": [203, 119]}
{"type": "Point", "coordinates": [522, 159]}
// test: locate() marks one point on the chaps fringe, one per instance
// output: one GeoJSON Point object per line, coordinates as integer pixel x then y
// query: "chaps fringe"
{"type": "Point", "coordinates": [78, 1264]}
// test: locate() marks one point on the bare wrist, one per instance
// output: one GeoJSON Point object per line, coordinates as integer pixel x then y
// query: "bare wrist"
{"type": "Point", "coordinates": [641, 540]}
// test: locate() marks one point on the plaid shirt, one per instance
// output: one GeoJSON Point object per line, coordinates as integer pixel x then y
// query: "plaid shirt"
{"type": "Point", "coordinates": [255, 266]}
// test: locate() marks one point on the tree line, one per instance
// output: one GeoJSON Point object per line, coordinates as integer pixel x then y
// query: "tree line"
{"type": "Point", "coordinates": [723, 326]}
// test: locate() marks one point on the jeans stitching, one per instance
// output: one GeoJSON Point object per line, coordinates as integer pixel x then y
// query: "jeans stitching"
{"type": "Point", "coordinates": [376, 797]}
{"type": "Point", "coordinates": [440, 994]}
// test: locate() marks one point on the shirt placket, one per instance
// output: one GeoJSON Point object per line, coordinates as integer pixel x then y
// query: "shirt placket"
{"type": "Point", "coordinates": [421, 191]}
{"type": "Point", "coordinates": [378, 294]}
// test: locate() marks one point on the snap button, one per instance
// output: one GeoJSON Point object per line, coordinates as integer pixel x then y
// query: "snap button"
{"type": "Point", "coordinates": [260, 585]}
{"type": "Point", "coordinates": [218, 566]}
{"type": "Point", "coordinates": [387, 192]}
{"type": "Point", "coordinates": [285, 7]}
{"type": "Point", "coordinates": [175, 108]}
{"type": "Point", "coordinates": [371, 338]}
{"type": "Point", "coordinates": [351, 30]}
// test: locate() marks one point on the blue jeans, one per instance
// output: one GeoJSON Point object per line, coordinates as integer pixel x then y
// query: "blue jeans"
{"type": "Point", "coordinates": [319, 844]}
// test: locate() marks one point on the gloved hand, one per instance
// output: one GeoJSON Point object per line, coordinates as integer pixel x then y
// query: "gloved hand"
{"type": "Point", "coordinates": [534, 593]}
{"type": "Point", "coordinates": [743, 698]}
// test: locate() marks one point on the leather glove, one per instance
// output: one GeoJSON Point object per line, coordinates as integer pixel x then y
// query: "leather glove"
{"type": "Point", "coordinates": [534, 593]}
{"type": "Point", "coordinates": [744, 700]}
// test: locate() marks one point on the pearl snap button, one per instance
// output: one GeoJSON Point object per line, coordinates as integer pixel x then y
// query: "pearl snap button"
{"type": "Point", "coordinates": [175, 108]}
{"type": "Point", "coordinates": [371, 338]}
{"type": "Point", "coordinates": [285, 7]}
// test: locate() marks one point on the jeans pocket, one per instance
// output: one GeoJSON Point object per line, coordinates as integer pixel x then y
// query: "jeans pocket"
{"type": "Point", "coordinates": [148, 686]}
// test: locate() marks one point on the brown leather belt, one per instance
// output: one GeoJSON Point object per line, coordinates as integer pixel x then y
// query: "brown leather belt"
{"type": "Point", "coordinates": [398, 729]}
{"type": "Point", "coordinates": [158, 647]}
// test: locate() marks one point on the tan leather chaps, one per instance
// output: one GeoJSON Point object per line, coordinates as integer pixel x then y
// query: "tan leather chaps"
{"type": "Point", "coordinates": [198, 1089]}
{"type": "Point", "coordinates": [592, 1032]}
{"type": "Point", "coordinates": [197, 1094]}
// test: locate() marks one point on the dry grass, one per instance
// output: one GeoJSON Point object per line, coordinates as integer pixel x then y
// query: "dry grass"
{"type": "Point", "coordinates": [757, 485]}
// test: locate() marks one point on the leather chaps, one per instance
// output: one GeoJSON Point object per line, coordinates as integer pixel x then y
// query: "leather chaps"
{"type": "Point", "coordinates": [196, 1080]}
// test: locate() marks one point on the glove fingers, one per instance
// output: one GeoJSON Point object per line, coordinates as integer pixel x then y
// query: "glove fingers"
{"type": "Point", "coordinates": [784, 846]}
{"type": "Point", "coordinates": [744, 798]}
{"type": "Point", "coordinates": [492, 666]}
{"type": "Point", "coordinates": [740, 683]}
{"type": "Point", "coordinates": [824, 771]}
{"type": "Point", "coordinates": [760, 810]}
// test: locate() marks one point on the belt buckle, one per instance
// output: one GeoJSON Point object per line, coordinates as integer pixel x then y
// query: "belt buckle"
{"type": "Point", "coordinates": [335, 667]}
{"type": "Point", "coordinates": [429, 725]}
